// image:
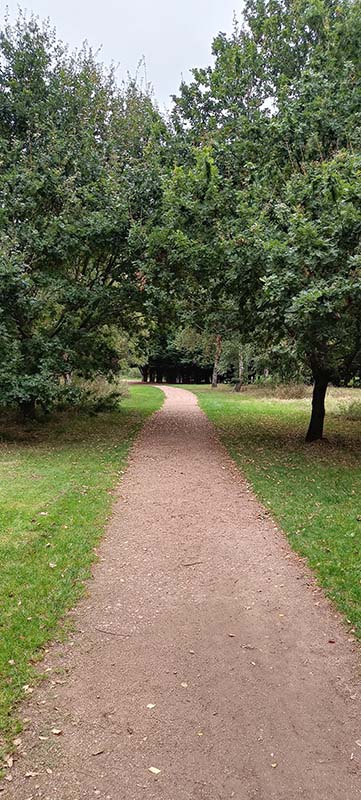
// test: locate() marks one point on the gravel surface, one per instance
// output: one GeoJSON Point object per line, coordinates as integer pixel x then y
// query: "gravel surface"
{"type": "Point", "coordinates": [203, 649]}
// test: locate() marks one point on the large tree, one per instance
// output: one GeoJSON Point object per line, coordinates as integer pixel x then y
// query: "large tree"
{"type": "Point", "coordinates": [73, 187]}
{"type": "Point", "coordinates": [280, 110]}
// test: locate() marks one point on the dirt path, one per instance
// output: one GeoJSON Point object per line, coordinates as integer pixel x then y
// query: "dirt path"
{"type": "Point", "coordinates": [197, 607]}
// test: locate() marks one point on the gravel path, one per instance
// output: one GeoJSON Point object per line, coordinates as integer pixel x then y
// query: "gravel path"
{"type": "Point", "coordinates": [203, 650]}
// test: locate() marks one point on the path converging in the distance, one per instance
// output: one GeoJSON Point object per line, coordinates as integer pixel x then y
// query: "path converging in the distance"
{"type": "Point", "coordinates": [206, 664]}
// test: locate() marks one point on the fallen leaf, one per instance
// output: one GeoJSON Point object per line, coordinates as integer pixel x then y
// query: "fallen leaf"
{"type": "Point", "coordinates": [274, 765]}
{"type": "Point", "coordinates": [232, 635]}
{"type": "Point", "coordinates": [151, 705]}
{"type": "Point", "coordinates": [31, 774]}
{"type": "Point", "coordinates": [9, 761]}
{"type": "Point", "coordinates": [358, 742]}
{"type": "Point", "coordinates": [17, 742]}
{"type": "Point", "coordinates": [57, 731]}
{"type": "Point", "coordinates": [154, 770]}
{"type": "Point", "coordinates": [97, 752]}
{"type": "Point", "coordinates": [185, 685]}
{"type": "Point", "coordinates": [49, 771]}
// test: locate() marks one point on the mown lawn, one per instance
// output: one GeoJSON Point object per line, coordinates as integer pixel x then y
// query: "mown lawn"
{"type": "Point", "coordinates": [312, 490]}
{"type": "Point", "coordinates": [56, 482]}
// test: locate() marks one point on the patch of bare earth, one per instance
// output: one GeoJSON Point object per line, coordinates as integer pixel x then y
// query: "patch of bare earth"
{"type": "Point", "coordinates": [206, 664]}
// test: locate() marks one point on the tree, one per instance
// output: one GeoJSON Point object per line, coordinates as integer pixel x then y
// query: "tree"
{"type": "Point", "coordinates": [73, 187]}
{"type": "Point", "coordinates": [280, 108]}
{"type": "Point", "coordinates": [312, 281]}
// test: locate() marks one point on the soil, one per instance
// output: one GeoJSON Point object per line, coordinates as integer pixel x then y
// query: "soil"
{"type": "Point", "coordinates": [204, 649]}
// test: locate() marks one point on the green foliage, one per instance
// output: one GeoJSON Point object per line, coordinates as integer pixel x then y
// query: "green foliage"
{"type": "Point", "coordinates": [73, 186]}
{"type": "Point", "coordinates": [312, 280]}
{"type": "Point", "coordinates": [239, 220]}
{"type": "Point", "coordinates": [279, 115]}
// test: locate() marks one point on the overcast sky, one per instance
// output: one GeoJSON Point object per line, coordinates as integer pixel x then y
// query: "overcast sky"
{"type": "Point", "coordinates": [172, 35]}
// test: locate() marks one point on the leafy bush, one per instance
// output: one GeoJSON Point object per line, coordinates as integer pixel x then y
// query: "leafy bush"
{"type": "Point", "coordinates": [93, 397]}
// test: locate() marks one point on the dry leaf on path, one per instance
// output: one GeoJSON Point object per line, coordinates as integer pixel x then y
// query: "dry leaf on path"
{"type": "Point", "coordinates": [154, 770]}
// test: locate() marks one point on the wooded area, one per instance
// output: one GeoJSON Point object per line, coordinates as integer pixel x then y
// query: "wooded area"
{"type": "Point", "coordinates": [223, 238]}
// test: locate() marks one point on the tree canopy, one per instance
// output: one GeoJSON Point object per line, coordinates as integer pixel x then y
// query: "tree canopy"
{"type": "Point", "coordinates": [73, 187]}
{"type": "Point", "coordinates": [236, 219]}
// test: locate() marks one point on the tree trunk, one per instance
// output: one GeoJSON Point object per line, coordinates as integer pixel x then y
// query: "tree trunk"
{"type": "Point", "coordinates": [239, 383]}
{"type": "Point", "coordinates": [216, 362]}
{"type": "Point", "coordinates": [315, 430]}
{"type": "Point", "coordinates": [145, 373]}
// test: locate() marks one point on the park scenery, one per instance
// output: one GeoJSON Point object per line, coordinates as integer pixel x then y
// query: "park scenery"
{"type": "Point", "coordinates": [180, 417]}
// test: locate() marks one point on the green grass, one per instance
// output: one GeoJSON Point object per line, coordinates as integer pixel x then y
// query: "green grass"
{"type": "Point", "coordinates": [56, 483]}
{"type": "Point", "coordinates": [313, 491]}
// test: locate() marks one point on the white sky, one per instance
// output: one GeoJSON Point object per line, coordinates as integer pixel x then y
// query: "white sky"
{"type": "Point", "coordinates": [172, 35]}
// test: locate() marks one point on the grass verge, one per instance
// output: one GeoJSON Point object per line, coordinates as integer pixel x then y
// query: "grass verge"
{"type": "Point", "coordinates": [56, 483]}
{"type": "Point", "coordinates": [313, 491]}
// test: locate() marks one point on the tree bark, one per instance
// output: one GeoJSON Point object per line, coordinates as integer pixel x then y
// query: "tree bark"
{"type": "Point", "coordinates": [145, 373]}
{"type": "Point", "coordinates": [239, 383]}
{"type": "Point", "coordinates": [216, 361]}
{"type": "Point", "coordinates": [315, 430]}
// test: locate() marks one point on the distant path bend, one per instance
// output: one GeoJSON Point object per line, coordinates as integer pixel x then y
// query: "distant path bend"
{"type": "Point", "coordinates": [204, 650]}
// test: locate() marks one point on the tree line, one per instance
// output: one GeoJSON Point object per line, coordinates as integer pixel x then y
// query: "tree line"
{"type": "Point", "coordinates": [236, 218]}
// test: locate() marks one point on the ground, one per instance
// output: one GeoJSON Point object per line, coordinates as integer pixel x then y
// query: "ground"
{"type": "Point", "coordinates": [313, 491]}
{"type": "Point", "coordinates": [206, 664]}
